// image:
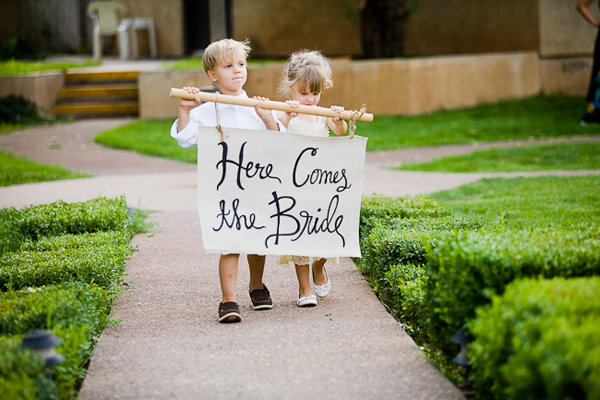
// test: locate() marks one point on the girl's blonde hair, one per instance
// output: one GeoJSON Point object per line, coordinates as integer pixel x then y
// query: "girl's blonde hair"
{"type": "Point", "coordinates": [307, 69]}
{"type": "Point", "coordinates": [219, 52]}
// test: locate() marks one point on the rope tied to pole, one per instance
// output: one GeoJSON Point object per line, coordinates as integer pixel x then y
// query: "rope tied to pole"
{"type": "Point", "coordinates": [355, 116]}
{"type": "Point", "coordinates": [219, 128]}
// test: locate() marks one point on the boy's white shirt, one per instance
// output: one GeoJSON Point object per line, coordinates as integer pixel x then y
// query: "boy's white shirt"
{"type": "Point", "coordinates": [230, 116]}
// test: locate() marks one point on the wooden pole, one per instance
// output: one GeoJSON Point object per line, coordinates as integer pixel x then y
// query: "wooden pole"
{"type": "Point", "coordinates": [270, 105]}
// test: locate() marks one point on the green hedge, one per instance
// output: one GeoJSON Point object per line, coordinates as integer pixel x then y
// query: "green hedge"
{"type": "Point", "coordinates": [93, 258]}
{"type": "Point", "coordinates": [539, 341]}
{"type": "Point", "coordinates": [60, 268]}
{"type": "Point", "coordinates": [396, 234]}
{"type": "Point", "coordinates": [404, 295]}
{"type": "Point", "coordinates": [59, 218]}
{"type": "Point", "coordinates": [75, 312]}
{"type": "Point", "coordinates": [466, 269]}
{"type": "Point", "coordinates": [375, 209]}
{"type": "Point", "coordinates": [22, 374]}
{"type": "Point", "coordinates": [405, 240]}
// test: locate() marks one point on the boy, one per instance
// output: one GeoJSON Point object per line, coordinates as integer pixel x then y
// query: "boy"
{"type": "Point", "coordinates": [225, 64]}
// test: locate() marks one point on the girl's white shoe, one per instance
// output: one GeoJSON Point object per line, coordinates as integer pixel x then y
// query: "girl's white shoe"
{"type": "Point", "coordinates": [308, 301]}
{"type": "Point", "coordinates": [323, 290]}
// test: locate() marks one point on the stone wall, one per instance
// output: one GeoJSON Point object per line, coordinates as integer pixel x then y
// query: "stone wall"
{"type": "Point", "coordinates": [41, 88]}
{"type": "Point", "coordinates": [387, 86]}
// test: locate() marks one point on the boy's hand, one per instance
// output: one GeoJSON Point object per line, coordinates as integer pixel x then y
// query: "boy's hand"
{"type": "Point", "coordinates": [189, 104]}
{"type": "Point", "coordinates": [265, 115]}
{"type": "Point", "coordinates": [185, 106]}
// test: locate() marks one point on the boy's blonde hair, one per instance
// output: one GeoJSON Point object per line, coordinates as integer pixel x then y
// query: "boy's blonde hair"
{"type": "Point", "coordinates": [219, 52]}
{"type": "Point", "coordinates": [307, 68]}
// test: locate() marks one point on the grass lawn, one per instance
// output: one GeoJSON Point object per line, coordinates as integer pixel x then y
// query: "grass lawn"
{"type": "Point", "coordinates": [17, 170]}
{"type": "Point", "coordinates": [564, 156]}
{"type": "Point", "coordinates": [17, 67]}
{"type": "Point", "coordinates": [541, 203]}
{"type": "Point", "coordinates": [538, 117]}
{"type": "Point", "coordinates": [147, 137]}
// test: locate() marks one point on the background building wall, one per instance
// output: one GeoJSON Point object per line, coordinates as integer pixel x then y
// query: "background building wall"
{"type": "Point", "coordinates": [53, 24]}
{"type": "Point", "coordinates": [472, 26]}
{"type": "Point", "coordinates": [278, 28]}
{"type": "Point", "coordinates": [563, 31]}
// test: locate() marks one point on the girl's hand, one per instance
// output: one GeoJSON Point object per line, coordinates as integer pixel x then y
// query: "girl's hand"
{"type": "Point", "coordinates": [337, 109]}
{"type": "Point", "coordinates": [189, 104]}
{"type": "Point", "coordinates": [337, 124]}
{"type": "Point", "coordinates": [293, 104]}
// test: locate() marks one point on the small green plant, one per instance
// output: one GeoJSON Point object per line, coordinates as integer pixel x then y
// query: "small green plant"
{"type": "Point", "coordinates": [15, 108]}
{"type": "Point", "coordinates": [21, 48]}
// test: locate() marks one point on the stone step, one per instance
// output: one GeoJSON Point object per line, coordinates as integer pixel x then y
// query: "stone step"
{"type": "Point", "coordinates": [108, 90]}
{"type": "Point", "coordinates": [94, 109]}
{"type": "Point", "coordinates": [98, 94]}
{"type": "Point", "coordinates": [71, 77]}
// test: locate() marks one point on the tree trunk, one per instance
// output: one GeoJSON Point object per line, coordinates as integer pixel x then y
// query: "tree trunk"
{"type": "Point", "coordinates": [383, 27]}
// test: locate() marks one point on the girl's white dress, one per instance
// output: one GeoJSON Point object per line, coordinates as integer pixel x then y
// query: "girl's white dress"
{"type": "Point", "coordinates": [300, 126]}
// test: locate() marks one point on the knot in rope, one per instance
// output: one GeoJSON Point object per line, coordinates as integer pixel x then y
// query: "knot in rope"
{"type": "Point", "coordinates": [355, 116]}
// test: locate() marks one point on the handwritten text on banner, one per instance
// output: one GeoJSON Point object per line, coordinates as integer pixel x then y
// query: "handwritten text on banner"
{"type": "Point", "coordinates": [264, 192]}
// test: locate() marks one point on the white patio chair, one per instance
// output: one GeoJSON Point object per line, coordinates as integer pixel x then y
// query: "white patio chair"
{"type": "Point", "coordinates": [111, 18]}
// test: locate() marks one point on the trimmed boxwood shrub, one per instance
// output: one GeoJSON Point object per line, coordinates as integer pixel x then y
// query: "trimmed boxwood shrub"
{"type": "Point", "coordinates": [79, 250]}
{"type": "Point", "coordinates": [59, 218]}
{"type": "Point", "coordinates": [22, 374]}
{"type": "Point", "coordinates": [466, 269]}
{"type": "Point", "coordinates": [404, 294]}
{"type": "Point", "coordinates": [375, 209]}
{"type": "Point", "coordinates": [405, 240]}
{"type": "Point", "coordinates": [396, 234]}
{"type": "Point", "coordinates": [94, 258]}
{"type": "Point", "coordinates": [75, 312]}
{"type": "Point", "coordinates": [539, 340]}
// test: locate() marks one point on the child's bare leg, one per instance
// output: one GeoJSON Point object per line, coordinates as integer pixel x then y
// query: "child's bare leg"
{"type": "Point", "coordinates": [303, 275]}
{"type": "Point", "coordinates": [319, 276]}
{"type": "Point", "coordinates": [228, 269]}
{"type": "Point", "coordinates": [256, 264]}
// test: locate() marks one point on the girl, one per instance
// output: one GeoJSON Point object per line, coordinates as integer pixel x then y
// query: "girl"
{"type": "Point", "coordinates": [306, 76]}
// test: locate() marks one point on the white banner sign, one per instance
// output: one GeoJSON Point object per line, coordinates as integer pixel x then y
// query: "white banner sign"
{"type": "Point", "coordinates": [265, 192]}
